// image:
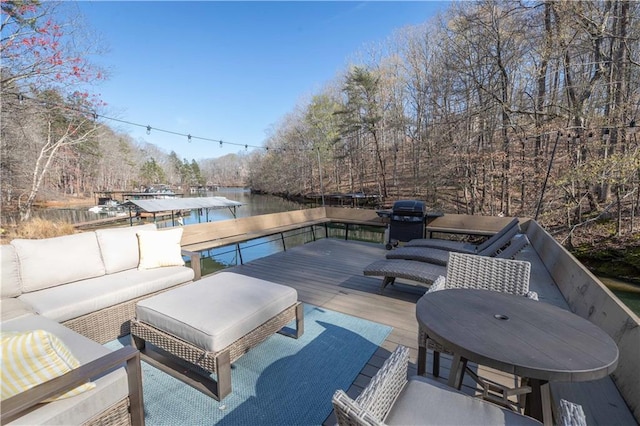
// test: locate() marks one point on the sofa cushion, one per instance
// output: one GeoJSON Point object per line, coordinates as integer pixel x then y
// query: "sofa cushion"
{"type": "Point", "coordinates": [9, 272]}
{"type": "Point", "coordinates": [215, 311]}
{"type": "Point", "coordinates": [53, 261]}
{"type": "Point", "coordinates": [160, 248]}
{"type": "Point", "coordinates": [75, 299]}
{"type": "Point", "coordinates": [11, 307]}
{"type": "Point", "coordinates": [32, 357]}
{"type": "Point", "coordinates": [110, 388]}
{"type": "Point", "coordinates": [119, 247]}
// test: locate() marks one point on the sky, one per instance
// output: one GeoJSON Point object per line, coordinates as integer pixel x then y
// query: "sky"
{"type": "Point", "coordinates": [228, 71]}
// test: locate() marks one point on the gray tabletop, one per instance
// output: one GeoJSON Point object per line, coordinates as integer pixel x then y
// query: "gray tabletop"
{"type": "Point", "coordinates": [517, 335]}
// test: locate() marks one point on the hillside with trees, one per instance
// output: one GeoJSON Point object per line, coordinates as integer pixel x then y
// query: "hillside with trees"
{"type": "Point", "coordinates": [56, 141]}
{"type": "Point", "coordinates": [525, 108]}
{"type": "Point", "coordinates": [498, 107]}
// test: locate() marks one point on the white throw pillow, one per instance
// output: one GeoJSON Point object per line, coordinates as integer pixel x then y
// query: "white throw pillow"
{"type": "Point", "coordinates": [160, 248]}
{"type": "Point", "coordinates": [30, 358]}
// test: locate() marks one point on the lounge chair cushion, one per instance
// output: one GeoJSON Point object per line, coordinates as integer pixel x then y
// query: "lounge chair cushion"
{"type": "Point", "coordinates": [488, 247]}
{"type": "Point", "coordinates": [421, 254]}
{"type": "Point", "coordinates": [424, 400]}
{"type": "Point", "coordinates": [110, 388]}
{"type": "Point", "coordinates": [9, 272]}
{"type": "Point", "coordinates": [408, 269]}
{"type": "Point", "coordinates": [215, 311]}
{"type": "Point", "coordinates": [72, 257]}
{"type": "Point", "coordinates": [73, 300]}
{"type": "Point", "coordinates": [119, 247]}
{"type": "Point", "coordinates": [160, 248]}
{"type": "Point", "coordinates": [32, 357]}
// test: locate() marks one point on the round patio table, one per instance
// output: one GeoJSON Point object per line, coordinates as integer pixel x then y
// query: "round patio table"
{"type": "Point", "coordinates": [534, 340]}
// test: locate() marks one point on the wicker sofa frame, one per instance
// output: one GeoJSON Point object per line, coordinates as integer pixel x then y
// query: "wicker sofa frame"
{"type": "Point", "coordinates": [219, 362]}
{"type": "Point", "coordinates": [127, 411]}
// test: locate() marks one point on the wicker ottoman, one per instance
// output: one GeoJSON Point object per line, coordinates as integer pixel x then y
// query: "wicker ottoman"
{"type": "Point", "coordinates": [210, 323]}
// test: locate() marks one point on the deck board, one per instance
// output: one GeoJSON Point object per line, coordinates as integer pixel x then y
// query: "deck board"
{"type": "Point", "coordinates": [329, 273]}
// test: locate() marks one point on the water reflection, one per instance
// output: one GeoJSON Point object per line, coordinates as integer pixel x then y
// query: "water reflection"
{"type": "Point", "coordinates": [628, 293]}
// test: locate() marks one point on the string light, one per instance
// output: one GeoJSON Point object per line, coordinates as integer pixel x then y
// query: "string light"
{"type": "Point", "coordinates": [605, 130]}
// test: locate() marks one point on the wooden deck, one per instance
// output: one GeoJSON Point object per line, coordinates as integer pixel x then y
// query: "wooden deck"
{"type": "Point", "coordinates": [328, 273]}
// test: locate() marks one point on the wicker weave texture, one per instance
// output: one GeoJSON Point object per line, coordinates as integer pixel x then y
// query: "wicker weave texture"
{"type": "Point", "coordinates": [117, 415]}
{"type": "Point", "coordinates": [488, 273]}
{"type": "Point", "coordinates": [109, 323]}
{"type": "Point", "coordinates": [375, 401]}
{"type": "Point", "coordinates": [202, 358]}
{"type": "Point", "coordinates": [571, 414]}
{"type": "Point", "coordinates": [481, 272]}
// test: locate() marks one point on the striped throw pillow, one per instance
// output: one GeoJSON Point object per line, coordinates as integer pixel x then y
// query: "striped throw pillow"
{"type": "Point", "coordinates": [33, 357]}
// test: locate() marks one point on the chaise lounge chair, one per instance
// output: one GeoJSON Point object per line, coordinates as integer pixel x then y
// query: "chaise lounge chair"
{"type": "Point", "coordinates": [427, 273]}
{"type": "Point", "coordinates": [440, 256]}
{"type": "Point", "coordinates": [463, 247]}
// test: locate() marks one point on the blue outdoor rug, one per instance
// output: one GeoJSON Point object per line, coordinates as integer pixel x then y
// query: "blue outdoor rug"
{"type": "Point", "coordinates": [282, 381]}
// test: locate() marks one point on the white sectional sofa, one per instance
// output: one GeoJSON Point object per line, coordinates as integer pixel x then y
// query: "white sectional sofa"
{"type": "Point", "coordinates": [88, 282]}
{"type": "Point", "coordinates": [82, 288]}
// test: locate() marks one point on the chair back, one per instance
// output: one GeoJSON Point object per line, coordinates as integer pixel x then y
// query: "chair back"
{"type": "Point", "coordinates": [499, 236]}
{"type": "Point", "coordinates": [499, 240]}
{"type": "Point", "coordinates": [488, 273]}
{"type": "Point", "coordinates": [517, 243]}
{"type": "Point", "coordinates": [375, 401]}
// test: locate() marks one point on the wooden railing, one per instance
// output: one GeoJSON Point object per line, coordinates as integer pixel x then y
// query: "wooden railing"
{"type": "Point", "coordinates": [205, 236]}
{"type": "Point", "coordinates": [588, 297]}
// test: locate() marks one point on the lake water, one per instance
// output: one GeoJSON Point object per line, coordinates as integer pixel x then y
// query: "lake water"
{"type": "Point", "coordinates": [254, 204]}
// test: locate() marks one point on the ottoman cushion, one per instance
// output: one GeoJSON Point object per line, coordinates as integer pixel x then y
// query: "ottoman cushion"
{"type": "Point", "coordinates": [215, 311]}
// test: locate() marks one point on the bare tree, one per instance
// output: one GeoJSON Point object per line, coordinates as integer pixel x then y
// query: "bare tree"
{"type": "Point", "coordinates": [41, 65]}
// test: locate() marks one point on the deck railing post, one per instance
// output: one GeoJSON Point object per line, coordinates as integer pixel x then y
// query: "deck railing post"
{"type": "Point", "coordinates": [239, 253]}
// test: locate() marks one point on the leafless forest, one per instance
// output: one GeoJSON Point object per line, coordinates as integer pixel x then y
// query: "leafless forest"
{"type": "Point", "coordinates": [514, 108]}
{"type": "Point", "coordinates": [520, 108]}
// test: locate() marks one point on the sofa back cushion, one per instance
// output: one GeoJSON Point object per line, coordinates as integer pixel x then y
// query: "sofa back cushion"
{"type": "Point", "coordinates": [9, 272]}
{"type": "Point", "coordinates": [119, 247]}
{"type": "Point", "coordinates": [53, 261]}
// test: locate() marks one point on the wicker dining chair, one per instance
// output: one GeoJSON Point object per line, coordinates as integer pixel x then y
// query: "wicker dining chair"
{"type": "Point", "coordinates": [485, 273]}
{"type": "Point", "coordinates": [391, 398]}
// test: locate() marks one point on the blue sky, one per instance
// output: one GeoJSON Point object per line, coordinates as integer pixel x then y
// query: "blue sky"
{"type": "Point", "coordinates": [228, 70]}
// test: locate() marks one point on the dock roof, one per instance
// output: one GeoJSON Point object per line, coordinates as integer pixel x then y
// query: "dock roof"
{"type": "Point", "coordinates": [171, 204]}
